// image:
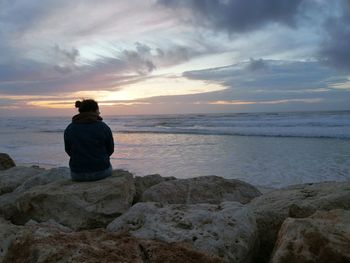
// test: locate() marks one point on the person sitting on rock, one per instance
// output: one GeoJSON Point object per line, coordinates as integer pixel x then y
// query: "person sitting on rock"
{"type": "Point", "coordinates": [89, 143]}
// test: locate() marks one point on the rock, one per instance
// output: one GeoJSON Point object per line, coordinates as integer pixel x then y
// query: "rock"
{"type": "Point", "coordinates": [7, 205]}
{"type": "Point", "coordinates": [46, 243]}
{"type": "Point", "coordinates": [50, 224]}
{"type": "Point", "coordinates": [8, 233]}
{"type": "Point", "coordinates": [45, 177]}
{"type": "Point", "coordinates": [78, 205]}
{"type": "Point", "coordinates": [227, 230]}
{"type": "Point", "coordinates": [13, 177]}
{"type": "Point", "coordinates": [204, 189]}
{"type": "Point", "coordinates": [299, 201]}
{"type": "Point", "coordinates": [6, 162]}
{"type": "Point", "coordinates": [324, 237]}
{"type": "Point", "coordinates": [142, 183]}
{"type": "Point", "coordinates": [265, 189]}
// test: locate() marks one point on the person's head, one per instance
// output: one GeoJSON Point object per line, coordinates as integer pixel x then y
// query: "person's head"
{"type": "Point", "coordinates": [88, 105]}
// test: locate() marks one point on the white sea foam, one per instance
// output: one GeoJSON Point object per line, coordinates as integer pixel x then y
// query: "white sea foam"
{"type": "Point", "coordinates": [307, 124]}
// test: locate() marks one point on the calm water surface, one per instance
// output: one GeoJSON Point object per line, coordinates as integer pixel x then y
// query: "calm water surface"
{"type": "Point", "coordinates": [177, 146]}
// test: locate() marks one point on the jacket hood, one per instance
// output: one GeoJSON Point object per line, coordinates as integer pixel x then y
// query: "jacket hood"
{"type": "Point", "coordinates": [86, 117]}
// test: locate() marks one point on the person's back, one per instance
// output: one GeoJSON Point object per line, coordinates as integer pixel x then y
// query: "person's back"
{"type": "Point", "coordinates": [89, 143]}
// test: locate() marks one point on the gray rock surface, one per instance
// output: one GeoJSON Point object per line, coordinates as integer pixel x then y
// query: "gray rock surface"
{"type": "Point", "coordinates": [142, 183]}
{"type": "Point", "coordinates": [8, 233]}
{"type": "Point", "coordinates": [45, 177]}
{"type": "Point", "coordinates": [12, 178]}
{"type": "Point", "coordinates": [7, 204]}
{"type": "Point", "coordinates": [6, 161]}
{"type": "Point", "coordinates": [78, 205]}
{"type": "Point", "coordinates": [227, 230]}
{"type": "Point", "coordinates": [43, 243]}
{"type": "Point", "coordinates": [204, 189]}
{"type": "Point", "coordinates": [321, 238]}
{"type": "Point", "coordinates": [299, 201]}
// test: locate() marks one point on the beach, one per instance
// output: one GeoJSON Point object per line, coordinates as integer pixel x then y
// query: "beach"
{"type": "Point", "coordinates": [249, 188]}
{"type": "Point", "coordinates": [272, 150]}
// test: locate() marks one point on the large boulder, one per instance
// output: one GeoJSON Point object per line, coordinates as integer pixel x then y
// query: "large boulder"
{"type": "Point", "coordinates": [299, 201]}
{"type": "Point", "coordinates": [142, 183]}
{"type": "Point", "coordinates": [43, 243]}
{"type": "Point", "coordinates": [6, 161]}
{"type": "Point", "coordinates": [78, 205]}
{"type": "Point", "coordinates": [7, 205]}
{"type": "Point", "coordinates": [321, 238]}
{"type": "Point", "coordinates": [204, 189]}
{"type": "Point", "coordinates": [12, 178]}
{"type": "Point", "coordinates": [227, 230]}
{"type": "Point", "coordinates": [45, 177]}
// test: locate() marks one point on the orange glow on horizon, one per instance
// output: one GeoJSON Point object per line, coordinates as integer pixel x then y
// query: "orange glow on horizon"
{"type": "Point", "coordinates": [131, 94]}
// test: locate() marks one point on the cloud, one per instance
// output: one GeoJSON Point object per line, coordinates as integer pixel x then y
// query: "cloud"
{"type": "Point", "coordinates": [175, 55]}
{"type": "Point", "coordinates": [65, 60]}
{"type": "Point", "coordinates": [237, 16]}
{"type": "Point", "coordinates": [278, 75]}
{"type": "Point", "coordinates": [274, 81]}
{"type": "Point", "coordinates": [22, 15]}
{"type": "Point", "coordinates": [256, 64]}
{"type": "Point", "coordinates": [140, 59]}
{"type": "Point", "coordinates": [63, 71]}
{"type": "Point", "coordinates": [335, 47]}
{"type": "Point", "coordinates": [144, 59]}
{"type": "Point", "coordinates": [32, 77]}
{"type": "Point", "coordinates": [51, 48]}
{"type": "Point", "coordinates": [323, 25]}
{"type": "Point", "coordinates": [67, 55]}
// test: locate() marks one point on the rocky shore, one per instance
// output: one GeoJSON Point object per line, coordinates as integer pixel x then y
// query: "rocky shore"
{"type": "Point", "coordinates": [45, 217]}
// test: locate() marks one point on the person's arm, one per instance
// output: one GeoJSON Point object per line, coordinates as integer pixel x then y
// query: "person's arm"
{"type": "Point", "coordinates": [67, 146]}
{"type": "Point", "coordinates": [109, 141]}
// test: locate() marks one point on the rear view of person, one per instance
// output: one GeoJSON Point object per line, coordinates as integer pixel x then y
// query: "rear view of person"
{"type": "Point", "coordinates": [89, 143]}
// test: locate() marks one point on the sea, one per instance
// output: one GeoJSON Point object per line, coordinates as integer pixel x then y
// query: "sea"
{"type": "Point", "coordinates": [264, 149]}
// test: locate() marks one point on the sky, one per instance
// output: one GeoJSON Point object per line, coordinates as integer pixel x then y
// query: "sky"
{"type": "Point", "coordinates": [174, 56]}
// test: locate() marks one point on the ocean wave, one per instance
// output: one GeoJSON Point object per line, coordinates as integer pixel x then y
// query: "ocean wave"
{"type": "Point", "coordinates": [298, 124]}
{"type": "Point", "coordinates": [52, 131]}
{"type": "Point", "coordinates": [238, 133]}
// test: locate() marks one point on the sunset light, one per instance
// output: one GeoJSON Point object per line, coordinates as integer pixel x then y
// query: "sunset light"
{"type": "Point", "coordinates": [194, 131]}
{"type": "Point", "coordinates": [187, 53]}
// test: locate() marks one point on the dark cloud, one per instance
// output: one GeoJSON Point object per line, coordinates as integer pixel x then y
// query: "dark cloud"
{"type": "Point", "coordinates": [65, 59]}
{"type": "Point", "coordinates": [25, 70]}
{"type": "Point", "coordinates": [335, 47]}
{"type": "Point", "coordinates": [277, 81]}
{"type": "Point", "coordinates": [22, 15]}
{"type": "Point", "coordinates": [313, 92]}
{"type": "Point", "coordinates": [175, 55]}
{"type": "Point", "coordinates": [70, 55]}
{"type": "Point", "coordinates": [145, 59]}
{"type": "Point", "coordinates": [140, 60]}
{"type": "Point", "coordinates": [64, 74]}
{"type": "Point", "coordinates": [237, 15]}
{"type": "Point", "coordinates": [256, 64]}
{"type": "Point", "coordinates": [29, 77]}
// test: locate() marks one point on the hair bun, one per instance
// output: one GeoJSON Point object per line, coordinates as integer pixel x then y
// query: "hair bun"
{"type": "Point", "coordinates": [78, 104]}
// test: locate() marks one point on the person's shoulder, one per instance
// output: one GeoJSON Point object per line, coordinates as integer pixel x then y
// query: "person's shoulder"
{"type": "Point", "coordinates": [104, 124]}
{"type": "Point", "coordinates": [69, 130]}
{"type": "Point", "coordinates": [69, 127]}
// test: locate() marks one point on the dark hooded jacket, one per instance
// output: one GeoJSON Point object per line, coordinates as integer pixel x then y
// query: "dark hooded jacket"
{"type": "Point", "coordinates": [89, 143]}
